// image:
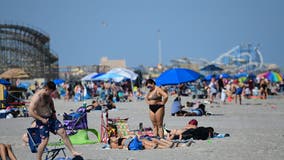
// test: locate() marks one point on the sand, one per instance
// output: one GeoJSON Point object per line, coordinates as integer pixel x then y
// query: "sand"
{"type": "Point", "coordinates": [256, 128]}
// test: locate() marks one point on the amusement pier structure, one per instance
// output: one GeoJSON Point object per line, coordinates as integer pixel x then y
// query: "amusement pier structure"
{"type": "Point", "coordinates": [242, 57]}
{"type": "Point", "coordinates": [28, 49]}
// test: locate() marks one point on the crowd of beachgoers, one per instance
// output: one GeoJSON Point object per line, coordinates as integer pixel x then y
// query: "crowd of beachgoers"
{"type": "Point", "coordinates": [217, 90]}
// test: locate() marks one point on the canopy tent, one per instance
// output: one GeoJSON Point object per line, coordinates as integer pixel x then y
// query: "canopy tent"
{"type": "Point", "coordinates": [91, 76]}
{"type": "Point", "coordinates": [128, 74]}
{"type": "Point", "coordinates": [110, 76]}
{"type": "Point", "coordinates": [177, 76]}
{"type": "Point", "coordinates": [211, 68]}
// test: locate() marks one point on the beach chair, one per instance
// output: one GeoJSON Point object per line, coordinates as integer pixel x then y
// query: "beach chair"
{"type": "Point", "coordinates": [112, 126]}
{"type": "Point", "coordinates": [75, 121]}
{"type": "Point", "coordinates": [76, 126]}
{"type": "Point", "coordinates": [35, 140]}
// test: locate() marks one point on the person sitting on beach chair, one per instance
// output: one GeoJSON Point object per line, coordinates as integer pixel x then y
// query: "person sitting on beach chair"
{"type": "Point", "coordinates": [42, 109]}
{"type": "Point", "coordinates": [6, 152]}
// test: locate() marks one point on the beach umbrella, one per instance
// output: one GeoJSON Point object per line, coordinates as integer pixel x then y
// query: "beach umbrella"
{"type": "Point", "coordinates": [24, 85]}
{"type": "Point", "coordinates": [242, 77]}
{"type": "Point", "coordinates": [271, 76]}
{"type": "Point", "coordinates": [211, 68]}
{"type": "Point", "coordinates": [15, 73]}
{"type": "Point", "coordinates": [224, 75]}
{"type": "Point", "coordinates": [177, 76]}
{"type": "Point", "coordinates": [210, 76]}
{"type": "Point", "coordinates": [128, 74]}
{"type": "Point", "coordinates": [58, 81]}
{"type": "Point", "coordinates": [4, 82]}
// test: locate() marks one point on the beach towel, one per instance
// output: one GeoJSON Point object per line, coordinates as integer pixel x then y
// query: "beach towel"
{"type": "Point", "coordinates": [122, 128]}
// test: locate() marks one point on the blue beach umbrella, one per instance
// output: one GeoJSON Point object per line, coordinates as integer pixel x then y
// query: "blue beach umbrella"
{"type": "Point", "coordinates": [225, 75]}
{"type": "Point", "coordinates": [24, 85]}
{"type": "Point", "coordinates": [209, 77]}
{"type": "Point", "coordinates": [4, 82]}
{"type": "Point", "coordinates": [177, 76]}
{"type": "Point", "coordinates": [58, 81]}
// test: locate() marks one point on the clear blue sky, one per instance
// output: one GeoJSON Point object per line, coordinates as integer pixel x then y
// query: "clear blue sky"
{"type": "Point", "coordinates": [82, 31]}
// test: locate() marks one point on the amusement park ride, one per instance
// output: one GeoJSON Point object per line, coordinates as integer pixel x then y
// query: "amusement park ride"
{"type": "Point", "coordinates": [245, 57]}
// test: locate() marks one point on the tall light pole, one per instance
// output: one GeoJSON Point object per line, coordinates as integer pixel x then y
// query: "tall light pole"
{"type": "Point", "coordinates": [159, 48]}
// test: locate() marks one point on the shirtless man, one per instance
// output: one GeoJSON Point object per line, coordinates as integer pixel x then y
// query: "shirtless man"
{"type": "Point", "coordinates": [42, 109]}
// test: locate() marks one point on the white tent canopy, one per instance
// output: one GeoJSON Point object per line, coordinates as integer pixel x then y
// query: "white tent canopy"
{"type": "Point", "coordinates": [110, 76]}
{"type": "Point", "coordinates": [89, 77]}
{"type": "Point", "coordinates": [124, 72]}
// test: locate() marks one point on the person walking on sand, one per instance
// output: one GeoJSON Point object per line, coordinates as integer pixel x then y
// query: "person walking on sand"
{"type": "Point", "coordinates": [42, 109]}
{"type": "Point", "coordinates": [156, 99]}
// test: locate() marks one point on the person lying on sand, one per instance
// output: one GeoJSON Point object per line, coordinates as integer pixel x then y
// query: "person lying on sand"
{"type": "Point", "coordinates": [143, 143]}
{"type": "Point", "coordinates": [6, 152]}
{"type": "Point", "coordinates": [176, 109]}
{"type": "Point", "coordinates": [192, 124]}
{"type": "Point", "coordinates": [198, 133]}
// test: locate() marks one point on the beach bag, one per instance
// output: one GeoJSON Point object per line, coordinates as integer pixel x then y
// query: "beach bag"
{"type": "Point", "coordinates": [135, 144]}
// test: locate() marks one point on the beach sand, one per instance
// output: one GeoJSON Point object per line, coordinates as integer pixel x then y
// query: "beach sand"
{"type": "Point", "coordinates": [256, 131]}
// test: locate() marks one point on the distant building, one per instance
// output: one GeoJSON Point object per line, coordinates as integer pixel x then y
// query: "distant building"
{"type": "Point", "coordinates": [113, 63]}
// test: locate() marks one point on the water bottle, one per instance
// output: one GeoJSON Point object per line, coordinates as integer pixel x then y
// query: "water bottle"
{"type": "Point", "coordinates": [220, 135]}
{"type": "Point", "coordinates": [141, 126]}
{"type": "Point", "coordinates": [84, 104]}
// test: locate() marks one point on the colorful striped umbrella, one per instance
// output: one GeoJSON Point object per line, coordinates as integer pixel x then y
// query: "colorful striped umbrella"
{"type": "Point", "coordinates": [271, 76]}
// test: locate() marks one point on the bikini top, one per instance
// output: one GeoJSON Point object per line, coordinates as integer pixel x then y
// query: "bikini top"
{"type": "Point", "coordinates": [155, 97]}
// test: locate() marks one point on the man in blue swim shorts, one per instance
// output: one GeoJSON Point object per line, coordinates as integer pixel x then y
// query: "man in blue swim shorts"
{"type": "Point", "coordinates": [42, 109]}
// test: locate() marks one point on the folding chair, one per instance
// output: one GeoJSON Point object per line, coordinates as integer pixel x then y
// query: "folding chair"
{"type": "Point", "coordinates": [35, 140]}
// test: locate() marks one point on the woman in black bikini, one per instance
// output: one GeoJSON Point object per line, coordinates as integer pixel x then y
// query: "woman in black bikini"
{"type": "Point", "coordinates": [156, 98]}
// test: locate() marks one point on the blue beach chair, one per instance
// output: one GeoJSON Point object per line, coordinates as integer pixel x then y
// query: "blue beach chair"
{"type": "Point", "coordinates": [35, 140]}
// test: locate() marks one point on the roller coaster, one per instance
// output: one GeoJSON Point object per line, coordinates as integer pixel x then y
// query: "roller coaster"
{"type": "Point", "coordinates": [26, 48]}
{"type": "Point", "coordinates": [245, 57]}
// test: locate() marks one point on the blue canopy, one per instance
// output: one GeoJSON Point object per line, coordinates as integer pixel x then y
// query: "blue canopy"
{"type": "Point", "coordinates": [177, 76]}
